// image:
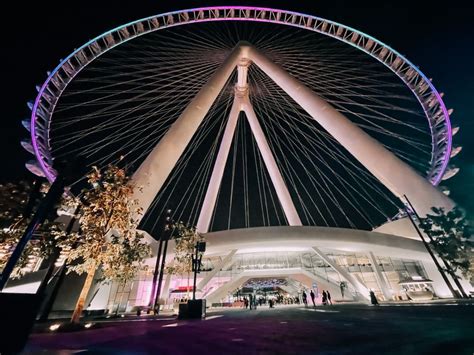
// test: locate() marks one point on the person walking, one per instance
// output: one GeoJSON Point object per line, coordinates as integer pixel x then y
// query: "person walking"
{"type": "Point", "coordinates": [329, 297]}
{"type": "Point", "coordinates": [305, 299]}
{"type": "Point", "coordinates": [342, 286]}
{"type": "Point", "coordinates": [325, 298]}
{"type": "Point", "coordinates": [246, 303]}
{"type": "Point", "coordinates": [311, 293]}
{"type": "Point", "coordinates": [251, 301]}
{"type": "Point", "coordinates": [254, 300]}
{"type": "Point", "coordinates": [373, 298]}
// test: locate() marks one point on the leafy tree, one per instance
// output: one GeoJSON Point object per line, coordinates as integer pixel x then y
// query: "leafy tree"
{"type": "Point", "coordinates": [185, 238]}
{"type": "Point", "coordinates": [13, 200]}
{"type": "Point", "coordinates": [13, 203]}
{"type": "Point", "coordinates": [108, 237]}
{"type": "Point", "coordinates": [451, 237]}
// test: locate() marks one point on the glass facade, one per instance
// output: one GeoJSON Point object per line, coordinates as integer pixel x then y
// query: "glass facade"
{"type": "Point", "coordinates": [393, 271]}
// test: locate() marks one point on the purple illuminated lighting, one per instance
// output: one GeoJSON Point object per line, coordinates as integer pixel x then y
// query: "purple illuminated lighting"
{"type": "Point", "coordinates": [50, 174]}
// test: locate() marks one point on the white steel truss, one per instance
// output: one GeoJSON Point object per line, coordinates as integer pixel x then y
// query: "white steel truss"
{"type": "Point", "coordinates": [392, 172]}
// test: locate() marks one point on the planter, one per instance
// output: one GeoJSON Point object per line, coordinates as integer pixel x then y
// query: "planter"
{"type": "Point", "coordinates": [17, 316]}
{"type": "Point", "coordinates": [194, 309]}
{"type": "Point", "coordinates": [182, 311]}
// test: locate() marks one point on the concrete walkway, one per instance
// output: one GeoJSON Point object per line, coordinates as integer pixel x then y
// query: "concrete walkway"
{"type": "Point", "coordinates": [340, 329]}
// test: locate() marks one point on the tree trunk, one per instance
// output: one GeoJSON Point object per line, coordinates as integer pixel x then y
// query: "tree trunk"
{"type": "Point", "coordinates": [76, 316]}
{"type": "Point", "coordinates": [121, 296]}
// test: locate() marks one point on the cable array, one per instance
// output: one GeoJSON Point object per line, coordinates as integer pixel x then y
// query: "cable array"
{"type": "Point", "coordinates": [122, 104]}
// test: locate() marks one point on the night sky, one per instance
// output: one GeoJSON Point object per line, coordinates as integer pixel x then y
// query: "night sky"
{"type": "Point", "coordinates": [439, 39]}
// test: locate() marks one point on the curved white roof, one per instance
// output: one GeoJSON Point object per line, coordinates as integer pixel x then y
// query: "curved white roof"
{"type": "Point", "coordinates": [280, 238]}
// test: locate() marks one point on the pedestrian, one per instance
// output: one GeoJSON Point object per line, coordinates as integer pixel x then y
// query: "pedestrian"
{"type": "Point", "coordinates": [325, 298]}
{"type": "Point", "coordinates": [329, 297]}
{"type": "Point", "coordinates": [311, 293]}
{"type": "Point", "coordinates": [305, 299]}
{"type": "Point", "coordinates": [246, 303]}
{"type": "Point", "coordinates": [250, 301]}
{"type": "Point", "coordinates": [373, 299]}
{"type": "Point", "coordinates": [342, 286]}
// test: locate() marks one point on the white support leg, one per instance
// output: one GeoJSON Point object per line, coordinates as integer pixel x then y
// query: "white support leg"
{"type": "Point", "coordinates": [242, 103]}
{"type": "Point", "coordinates": [364, 291]}
{"type": "Point", "coordinates": [216, 177]}
{"type": "Point", "coordinates": [166, 288]}
{"type": "Point", "coordinates": [397, 176]}
{"type": "Point", "coordinates": [271, 165]}
{"type": "Point", "coordinates": [151, 175]}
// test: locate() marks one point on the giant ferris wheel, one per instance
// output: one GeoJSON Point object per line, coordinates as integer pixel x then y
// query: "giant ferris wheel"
{"type": "Point", "coordinates": [243, 116]}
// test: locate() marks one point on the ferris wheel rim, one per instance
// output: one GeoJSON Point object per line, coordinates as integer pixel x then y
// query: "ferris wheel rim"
{"type": "Point", "coordinates": [432, 103]}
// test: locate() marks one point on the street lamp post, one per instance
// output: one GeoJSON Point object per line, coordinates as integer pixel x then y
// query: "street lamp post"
{"type": "Point", "coordinates": [411, 211]}
{"type": "Point", "coordinates": [446, 264]}
{"type": "Point", "coordinates": [162, 230]}
{"type": "Point", "coordinates": [199, 248]}
{"type": "Point", "coordinates": [166, 235]}
{"type": "Point", "coordinates": [195, 308]}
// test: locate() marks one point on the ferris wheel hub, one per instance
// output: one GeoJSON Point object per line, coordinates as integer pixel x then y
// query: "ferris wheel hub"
{"type": "Point", "coordinates": [242, 86]}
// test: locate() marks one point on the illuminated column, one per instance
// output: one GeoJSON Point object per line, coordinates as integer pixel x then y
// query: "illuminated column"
{"type": "Point", "coordinates": [364, 291]}
{"type": "Point", "coordinates": [153, 172]}
{"type": "Point", "coordinates": [392, 172]}
{"type": "Point", "coordinates": [387, 292]}
{"type": "Point", "coordinates": [166, 288]}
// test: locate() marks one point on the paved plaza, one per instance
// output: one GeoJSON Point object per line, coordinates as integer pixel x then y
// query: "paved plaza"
{"type": "Point", "coordinates": [340, 329]}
